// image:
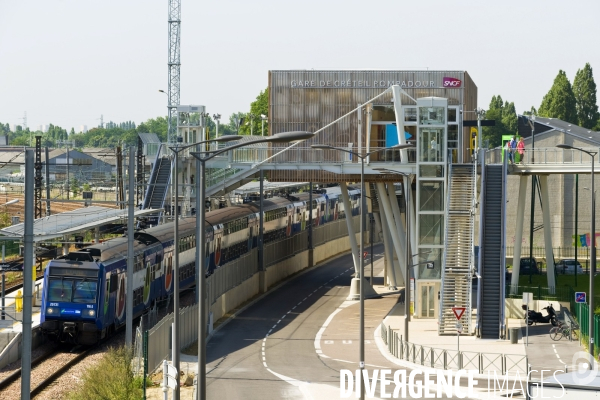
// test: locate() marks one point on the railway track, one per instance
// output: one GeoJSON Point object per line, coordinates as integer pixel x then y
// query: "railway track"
{"type": "Point", "coordinates": [45, 370]}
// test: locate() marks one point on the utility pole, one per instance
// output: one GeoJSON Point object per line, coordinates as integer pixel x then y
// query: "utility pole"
{"type": "Point", "coordinates": [174, 65]}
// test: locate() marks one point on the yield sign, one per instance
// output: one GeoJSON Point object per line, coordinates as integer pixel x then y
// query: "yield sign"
{"type": "Point", "coordinates": [458, 312]}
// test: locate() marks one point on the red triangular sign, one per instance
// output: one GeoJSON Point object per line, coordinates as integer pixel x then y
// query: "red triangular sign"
{"type": "Point", "coordinates": [458, 312]}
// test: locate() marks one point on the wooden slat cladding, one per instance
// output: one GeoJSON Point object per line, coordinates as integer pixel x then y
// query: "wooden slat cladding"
{"type": "Point", "coordinates": [309, 100]}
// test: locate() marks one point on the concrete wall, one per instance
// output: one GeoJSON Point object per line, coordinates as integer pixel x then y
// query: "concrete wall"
{"type": "Point", "coordinates": [12, 352]}
{"type": "Point", "coordinates": [514, 310]}
{"type": "Point", "coordinates": [276, 273]}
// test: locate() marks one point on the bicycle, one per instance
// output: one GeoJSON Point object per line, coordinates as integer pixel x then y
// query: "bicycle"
{"type": "Point", "coordinates": [557, 332]}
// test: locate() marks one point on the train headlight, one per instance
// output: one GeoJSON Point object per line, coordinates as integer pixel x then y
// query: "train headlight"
{"type": "Point", "coordinates": [90, 313]}
{"type": "Point", "coordinates": [51, 311]}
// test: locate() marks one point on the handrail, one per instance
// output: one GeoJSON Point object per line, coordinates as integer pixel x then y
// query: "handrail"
{"type": "Point", "coordinates": [453, 359]}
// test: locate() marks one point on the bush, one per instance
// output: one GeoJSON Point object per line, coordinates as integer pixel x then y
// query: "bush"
{"type": "Point", "coordinates": [112, 378]}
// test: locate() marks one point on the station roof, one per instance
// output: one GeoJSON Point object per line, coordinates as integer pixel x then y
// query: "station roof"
{"type": "Point", "coordinates": [254, 187]}
{"type": "Point", "coordinates": [71, 222]}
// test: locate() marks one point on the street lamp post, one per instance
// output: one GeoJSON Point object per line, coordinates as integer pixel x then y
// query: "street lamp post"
{"type": "Point", "coordinates": [263, 118]}
{"type": "Point", "coordinates": [177, 149]}
{"type": "Point", "coordinates": [203, 157]}
{"type": "Point", "coordinates": [362, 157]}
{"type": "Point", "coordinates": [217, 118]}
{"type": "Point", "coordinates": [592, 251]}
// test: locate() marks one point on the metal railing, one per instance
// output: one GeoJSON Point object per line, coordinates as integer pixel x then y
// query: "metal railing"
{"type": "Point", "coordinates": [558, 293]}
{"type": "Point", "coordinates": [453, 359]}
{"type": "Point", "coordinates": [539, 252]}
{"type": "Point", "coordinates": [543, 155]}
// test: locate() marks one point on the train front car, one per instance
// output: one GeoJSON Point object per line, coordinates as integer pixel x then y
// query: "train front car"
{"type": "Point", "coordinates": [70, 299]}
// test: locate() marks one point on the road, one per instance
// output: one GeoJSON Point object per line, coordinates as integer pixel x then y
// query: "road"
{"type": "Point", "coordinates": [280, 348]}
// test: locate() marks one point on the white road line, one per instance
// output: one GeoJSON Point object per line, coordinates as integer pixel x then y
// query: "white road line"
{"type": "Point", "coordinates": [328, 321]}
{"type": "Point", "coordinates": [294, 306]}
{"type": "Point", "coordinates": [265, 364]}
{"type": "Point", "coordinates": [280, 320]}
{"type": "Point", "coordinates": [274, 326]}
{"type": "Point", "coordinates": [298, 304]}
{"type": "Point", "coordinates": [552, 349]}
{"type": "Point", "coordinates": [557, 356]}
{"type": "Point", "coordinates": [264, 359]}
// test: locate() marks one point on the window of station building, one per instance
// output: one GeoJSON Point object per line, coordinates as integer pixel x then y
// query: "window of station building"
{"type": "Point", "coordinates": [432, 116]}
{"type": "Point", "coordinates": [431, 171]}
{"type": "Point", "coordinates": [452, 113]}
{"type": "Point", "coordinates": [453, 142]}
{"type": "Point", "coordinates": [383, 113]}
{"type": "Point", "coordinates": [410, 114]}
{"type": "Point", "coordinates": [430, 255]}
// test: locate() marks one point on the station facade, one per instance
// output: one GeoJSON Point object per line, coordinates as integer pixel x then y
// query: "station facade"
{"type": "Point", "coordinates": [432, 108]}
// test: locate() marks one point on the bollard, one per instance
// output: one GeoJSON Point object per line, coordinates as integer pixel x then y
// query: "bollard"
{"type": "Point", "coordinates": [19, 302]}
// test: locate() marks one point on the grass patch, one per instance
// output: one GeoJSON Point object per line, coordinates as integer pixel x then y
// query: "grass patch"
{"type": "Point", "coordinates": [111, 378]}
{"type": "Point", "coordinates": [583, 281]}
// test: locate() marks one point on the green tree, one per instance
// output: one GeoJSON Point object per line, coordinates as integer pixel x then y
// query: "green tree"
{"type": "Point", "coordinates": [584, 89]}
{"type": "Point", "coordinates": [505, 116]}
{"type": "Point", "coordinates": [560, 102]}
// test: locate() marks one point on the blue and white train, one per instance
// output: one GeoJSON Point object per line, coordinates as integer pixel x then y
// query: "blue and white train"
{"type": "Point", "coordinates": [83, 297]}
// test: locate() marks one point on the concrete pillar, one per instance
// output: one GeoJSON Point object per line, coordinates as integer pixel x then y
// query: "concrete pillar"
{"type": "Point", "coordinates": [547, 232]}
{"type": "Point", "coordinates": [351, 233]}
{"type": "Point", "coordinates": [388, 246]}
{"type": "Point", "coordinates": [388, 213]}
{"type": "Point", "coordinates": [518, 234]}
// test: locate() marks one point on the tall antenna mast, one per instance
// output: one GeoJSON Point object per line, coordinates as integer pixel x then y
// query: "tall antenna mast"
{"type": "Point", "coordinates": [174, 66]}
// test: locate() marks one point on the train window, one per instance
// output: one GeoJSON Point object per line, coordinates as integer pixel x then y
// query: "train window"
{"type": "Point", "coordinates": [113, 283]}
{"type": "Point", "coordinates": [85, 291]}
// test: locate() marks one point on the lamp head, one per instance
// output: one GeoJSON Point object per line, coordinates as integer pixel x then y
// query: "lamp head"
{"type": "Point", "coordinates": [263, 116]}
{"type": "Point", "coordinates": [294, 136]}
{"type": "Point", "coordinates": [321, 146]}
{"type": "Point", "coordinates": [564, 146]}
{"type": "Point", "coordinates": [228, 138]}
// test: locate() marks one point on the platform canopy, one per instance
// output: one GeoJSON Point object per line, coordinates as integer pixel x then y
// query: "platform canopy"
{"type": "Point", "coordinates": [70, 222]}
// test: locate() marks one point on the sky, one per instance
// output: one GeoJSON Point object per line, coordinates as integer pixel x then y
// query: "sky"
{"type": "Point", "coordinates": [69, 62]}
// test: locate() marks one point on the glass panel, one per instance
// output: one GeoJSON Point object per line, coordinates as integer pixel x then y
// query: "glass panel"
{"type": "Point", "coordinates": [451, 115]}
{"type": "Point", "coordinates": [432, 196]}
{"type": "Point", "coordinates": [377, 141]}
{"type": "Point", "coordinates": [431, 144]}
{"type": "Point", "coordinates": [424, 301]}
{"type": "Point", "coordinates": [431, 171]}
{"type": "Point", "coordinates": [410, 114]}
{"type": "Point", "coordinates": [383, 113]}
{"type": "Point", "coordinates": [452, 132]}
{"type": "Point", "coordinates": [85, 292]}
{"type": "Point", "coordinates": [432, 115]}
{"type": "Point", "coordinates": [431, 229]}
{"type": "Point", "coordinates": [431, 302]}
{"type": "Point", "coordinates": [429, 255]}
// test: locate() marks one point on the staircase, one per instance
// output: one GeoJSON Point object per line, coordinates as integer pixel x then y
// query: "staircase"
{"type": "Point", "coordinates": [458, 252]}
{"type": "Point", "coordinates": [158, 184]}
{"type": "Point", "coordinates": [491, 316]}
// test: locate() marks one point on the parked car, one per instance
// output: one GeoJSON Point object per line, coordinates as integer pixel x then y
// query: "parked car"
{"type": "Point", "coordinates": [567, 266]}
{"type": "Point", "coordinates": [528, 266]}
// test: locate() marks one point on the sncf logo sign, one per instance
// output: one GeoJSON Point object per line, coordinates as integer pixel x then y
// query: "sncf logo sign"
{"type": "Point", "coordinates": [451, 82]}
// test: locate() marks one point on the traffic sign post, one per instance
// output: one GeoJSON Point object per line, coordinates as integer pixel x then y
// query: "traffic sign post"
{"type": "Point", "coordinates": [459, 328]}
{"type": "Point", "coordinates": [527, 297]}
{"type": "Point", "coordinates": [580, 297]}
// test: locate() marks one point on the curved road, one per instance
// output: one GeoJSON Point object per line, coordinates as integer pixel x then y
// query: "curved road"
{"type": "Point", "coordinates": [268, 351]}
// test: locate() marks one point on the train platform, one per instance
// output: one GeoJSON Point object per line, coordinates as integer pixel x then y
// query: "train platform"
{"type": "Point", "coordinates": [11, 323]}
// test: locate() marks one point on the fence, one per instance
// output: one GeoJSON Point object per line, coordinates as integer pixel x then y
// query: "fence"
{"type": "Point", "coordinates": [558, 293]}
{"type": "Point", "coordinates": [157, 344]}
{"type": "Point", "coordinates": [453, 359]}
{"type": "Point", "coordinates": [539, 252]}
{"type": "Point", "coordinates": [582, 312]}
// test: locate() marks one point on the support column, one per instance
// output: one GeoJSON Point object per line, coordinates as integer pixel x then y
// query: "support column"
{"type": "Point", "coordinates": [547, 232]}
{"type": "Point", "coordinates": [518, 234]}
{"type": "Point", "coordinates": [387, 208]}
{"type": "Point", "coordinates": [310, 227]}
{"type": "Point", "coordinates": [351, 233]}
{"type": "Point", "coordinates": [389, 253]}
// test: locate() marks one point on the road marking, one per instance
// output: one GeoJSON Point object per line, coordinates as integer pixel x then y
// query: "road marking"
{"type": "Point", "coordinates": [552, 349]}
{"type": "Point", "coordinates": [295, 306]}
{"type": "Point", "coordinates": [264, 358]}
{"type": "Point", "coordinates": [347, 341]}
{"type": "Point", "coordinates": [265, 364]}
{"type": "Point", "coordinates": [328, 342]}
{"type": "Point", "coordinates": [328, 321]}
{"type": "Point", "coordinates": [274, 326]}
{"type": "Point", "coordinates": [557, 356]}
{"type": "Point", "coordinates": [278, 322]}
